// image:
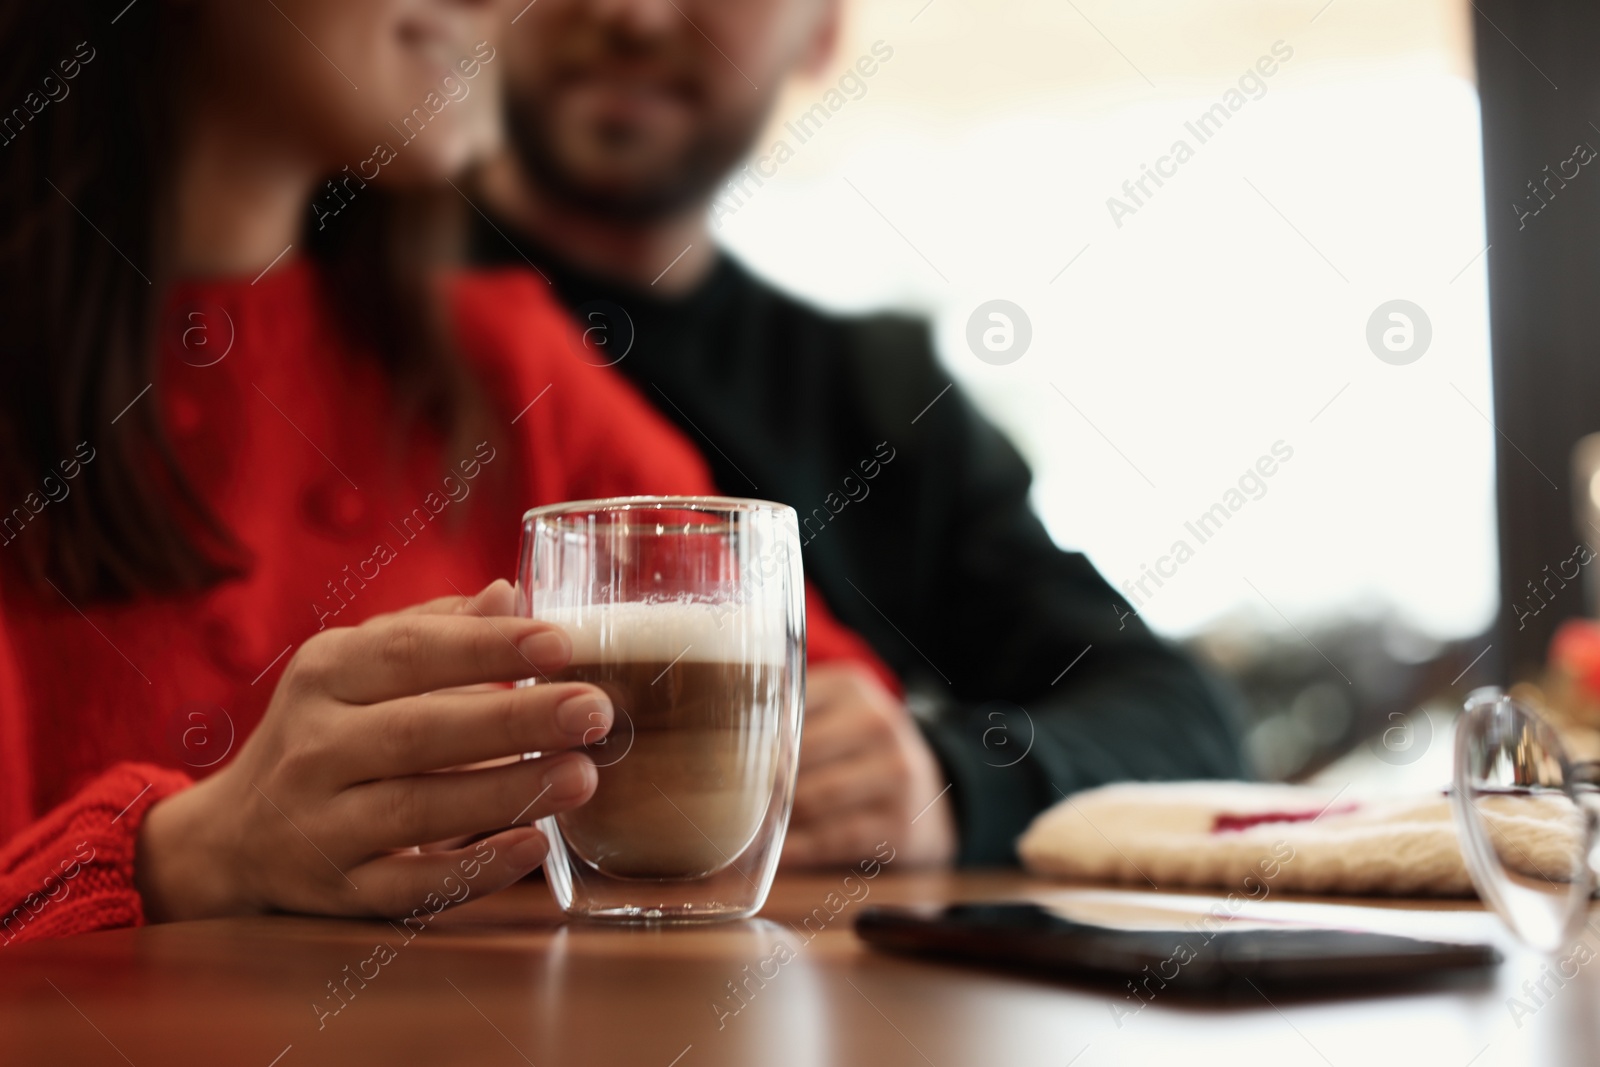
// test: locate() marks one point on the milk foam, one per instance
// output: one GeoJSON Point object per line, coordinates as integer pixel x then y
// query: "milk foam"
{"type": "Point", "coordinates": [681, 631]}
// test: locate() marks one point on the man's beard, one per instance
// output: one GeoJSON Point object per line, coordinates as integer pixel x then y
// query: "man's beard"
{"type": "Point", "coordinates": [679, 185]}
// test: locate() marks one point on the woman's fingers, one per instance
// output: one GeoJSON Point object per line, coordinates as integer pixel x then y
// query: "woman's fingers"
{"type": "Point", "coordinates": [417, 885]}
{"type": "Point", "coordinates": [428, 733]}
{"type": "Point", "coordinates": [496, 598]}
{"type": "Point", "coordinates": [403, 655]}
{"type": "Point", "coordinates": [402, 812]}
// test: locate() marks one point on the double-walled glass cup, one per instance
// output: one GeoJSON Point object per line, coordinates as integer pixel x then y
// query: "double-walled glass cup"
{"type": "Point", "coordinates": [690, 613]}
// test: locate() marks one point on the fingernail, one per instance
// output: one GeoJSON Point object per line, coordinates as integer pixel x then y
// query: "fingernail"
{"type": "Point", "coordinates": [529, 852]}
{"type": "Point", "coordinates": [569, 779]}
{"type": "Point", "coordinates": [587, 715]}
{"type": "Point", "coordinates": [547, 649]}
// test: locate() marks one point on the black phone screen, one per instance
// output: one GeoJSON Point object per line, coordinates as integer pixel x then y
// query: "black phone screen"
{"type": "Point", "coordinates": [1188, 956]}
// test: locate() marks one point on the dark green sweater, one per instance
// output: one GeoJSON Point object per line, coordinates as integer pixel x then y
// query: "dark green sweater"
{"type": "Point", "coordinates": [1036, 679]}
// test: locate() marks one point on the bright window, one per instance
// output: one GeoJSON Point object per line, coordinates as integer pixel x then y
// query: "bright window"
{"type": "Point", "coordinates": [1196, 326]}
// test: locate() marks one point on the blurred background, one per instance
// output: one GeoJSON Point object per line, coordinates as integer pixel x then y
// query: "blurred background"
{"type": "Point", "coordinates": [1177, 339]}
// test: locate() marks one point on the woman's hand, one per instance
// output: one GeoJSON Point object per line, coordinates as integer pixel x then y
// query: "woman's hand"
{"type": "Point", "coordinates": [324, 807]}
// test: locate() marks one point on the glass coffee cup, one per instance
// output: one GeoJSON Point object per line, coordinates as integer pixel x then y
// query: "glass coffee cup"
{"type": "Point", "coordinates": [690, 613]}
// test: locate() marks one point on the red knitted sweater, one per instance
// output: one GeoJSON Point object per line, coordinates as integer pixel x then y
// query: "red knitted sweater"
{"type": "Point", "coordinates": [291, 438]}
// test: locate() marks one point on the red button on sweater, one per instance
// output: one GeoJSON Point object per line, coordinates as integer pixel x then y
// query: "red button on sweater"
{"type": "Point", "coordinates": [290, 437]}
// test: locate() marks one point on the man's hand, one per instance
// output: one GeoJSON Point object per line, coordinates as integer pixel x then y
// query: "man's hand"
{"type": "Point", "coordinates": [866, 776]}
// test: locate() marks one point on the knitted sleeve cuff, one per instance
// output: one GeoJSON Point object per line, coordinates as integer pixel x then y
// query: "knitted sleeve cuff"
{"type": "Point", "coordinates": [71, 872]}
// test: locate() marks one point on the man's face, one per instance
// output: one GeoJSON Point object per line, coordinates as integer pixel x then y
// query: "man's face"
{"type": "Point", "coordinates": [637, 108]}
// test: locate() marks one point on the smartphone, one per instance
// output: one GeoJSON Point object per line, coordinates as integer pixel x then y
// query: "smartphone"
{"type": "Point", "coordinates": [1197, 953]}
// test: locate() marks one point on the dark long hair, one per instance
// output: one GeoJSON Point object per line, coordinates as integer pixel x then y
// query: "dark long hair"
{"type": "Point", "coordinates": [88, 141]}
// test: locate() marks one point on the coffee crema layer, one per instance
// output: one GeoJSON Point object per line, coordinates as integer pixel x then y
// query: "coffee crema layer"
{"type": "Point", "coordinates": [676, 630]}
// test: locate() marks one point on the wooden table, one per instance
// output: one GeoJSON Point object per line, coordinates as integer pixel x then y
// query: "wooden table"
{"type": "Point", "coordinates": [503, 981]}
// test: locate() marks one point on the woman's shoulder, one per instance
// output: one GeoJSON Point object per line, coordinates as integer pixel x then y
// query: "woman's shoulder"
{"type": "Point", "coordinates": [510, 326]}
{"type": "Point", "coordinates": [506, 307]}
{"type": "Point", "coordinates": [535, 361]}
{"type": "Point", "coordinates": [520, 341]}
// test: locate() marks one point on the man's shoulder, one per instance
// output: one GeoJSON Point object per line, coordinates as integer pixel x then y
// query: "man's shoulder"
{"type": "Point", "coordinates": [875, 349]}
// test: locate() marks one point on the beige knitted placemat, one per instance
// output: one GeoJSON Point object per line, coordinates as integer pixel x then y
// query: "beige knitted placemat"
{"type": "Point", "coordinates": [1256, 838]}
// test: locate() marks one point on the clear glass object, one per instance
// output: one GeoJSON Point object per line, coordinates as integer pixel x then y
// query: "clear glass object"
{"type": "Point", "coordinates": [1526, 816]}
{"type": "Point", "coordinates": [690, 613]}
